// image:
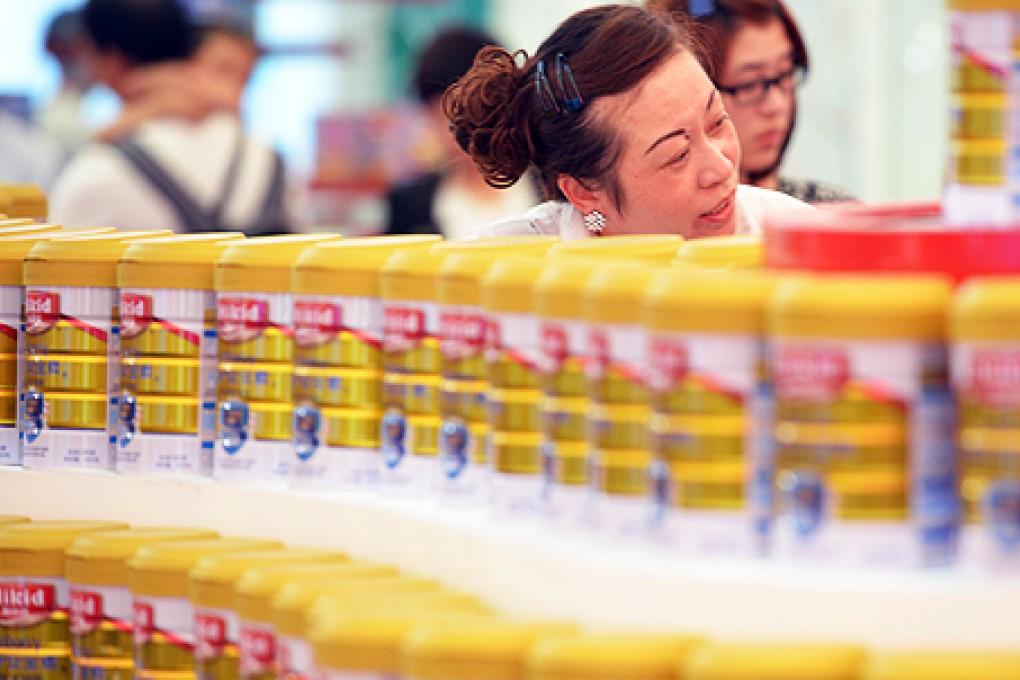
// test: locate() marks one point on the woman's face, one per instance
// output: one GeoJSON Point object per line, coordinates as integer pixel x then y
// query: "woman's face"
{"type": "Point", "coordinates": [679, 155]}
{"type": "Point", "coordinates": [757, 52]}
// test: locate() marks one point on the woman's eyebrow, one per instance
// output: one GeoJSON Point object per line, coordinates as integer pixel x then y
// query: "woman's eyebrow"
{"type": "Point", "coordinates": [679, 131]}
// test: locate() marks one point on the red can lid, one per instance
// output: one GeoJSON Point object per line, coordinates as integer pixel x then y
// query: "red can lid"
{"type": "Point", "coordinates": [906, 238]}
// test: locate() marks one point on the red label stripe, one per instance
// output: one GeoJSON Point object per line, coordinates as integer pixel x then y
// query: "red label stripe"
{"type": "Point", "coordinates": [97, 333]}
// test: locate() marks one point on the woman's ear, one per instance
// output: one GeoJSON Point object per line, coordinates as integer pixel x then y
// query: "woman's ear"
{"type": "Point", "coordinates": [582, 197]}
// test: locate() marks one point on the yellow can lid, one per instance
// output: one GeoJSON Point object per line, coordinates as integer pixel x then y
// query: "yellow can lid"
{"type": "Point", "coordinates": [23, 200]}
{"type": "Point", "coordinates": [352, 267]}
{"type": "Point", "coordinates": [291, 599]}
{"type": "Point", "coordinates": [82, 260]}
{"type": "Point", "coordinates": [559, 289]}
{"type": "Point", "coordinates": [262, 264]}
{"type": "Point", "coordinates": [460, 276]}
{"type": "Point", "coordinates": [37, 548]}
{"type": "Point", "coordinates": [213, 578]}
{"type": "Point", "coordinates": [608, 656]}
{"type": "Point", "coordinates": [984, 5]}
{"type": "Point", "coordinates": [386, 602]}
{"type": "Point", "coordinates": [411, 275]}
{"type": "Point", "coordinates": [15, 222]}
{"type": "Point", "coordinates": [942, 666]}
{"type": "Point", "coordinates": [986, 309]}
{"type": "Point", "coordinates": [19, 227]}
{"type": "Point", "coordinates": [478, 650]}
{"type": "Point", "coordinates": [613, 293]}
{"type": "Point", "coordinates": [881, 307]}
{"type": "Point", "coordinates": [368, 643]}
{"type": "Point", "coordinates": [341, 593]}
{"type": "Point", "coordinates": [13, 519]}
{"type": "Point", "coordinates": [658, 248]}
{"type": "Point", "coordinates": [187, 261]}
{"type": "Point", "coordinates": [773, 662]}
{"type": "Point", "coordinates": [254, 594]}
{"type": "Point", "coordinates": [15, 248]}
{"type": "Point", "coordinates": [509, 285]}
{"type": "Point", "coordinates": [100, 558]}
{"type": "Point", "coordinates": [708, 302]}
{"type": "Point", "coordinates": [739, 251]}
{"type": "Point", "coordinates": [161, 569]}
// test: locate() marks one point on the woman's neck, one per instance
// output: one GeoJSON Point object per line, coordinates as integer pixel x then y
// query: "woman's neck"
{"type": "Point", "coordinates": [769, 181]}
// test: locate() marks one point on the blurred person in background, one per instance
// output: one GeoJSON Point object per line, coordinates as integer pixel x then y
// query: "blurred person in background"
{"type": "Point", "coordinates": [454, 197]}
{"type": "Point", "coordinates": [626, 130]}
{"type": "Point", "coordinates": [185, 163]}
{"type": "Point", "coordinates": [62, 118]}
{"type": "Point", "coordinates": [757, 59]}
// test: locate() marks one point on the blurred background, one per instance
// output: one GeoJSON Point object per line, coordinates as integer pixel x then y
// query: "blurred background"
{"type": "Point", "coordinates": [331, 91]}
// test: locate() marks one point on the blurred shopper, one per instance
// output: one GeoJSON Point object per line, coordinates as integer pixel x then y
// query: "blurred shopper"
{"type": "Point", "coordinates": [61, 118]}
{"type": "Point", "coordinates": [757, 59]}
{"type": "Point", "coordinates": [183, 161]}
{"type": "Point", "coordinates": [454, 197]}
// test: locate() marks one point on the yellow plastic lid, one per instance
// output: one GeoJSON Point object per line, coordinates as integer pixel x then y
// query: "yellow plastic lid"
{"type": "Point", "coordinates": [984, 5]}
{"type": "Point", "coordinates": [460, 276]}
{"type": "Point", "coordinates": [187, 261]}
{"type": "Point", "coordinates": [15, 248]}
{"type": "Point", "coordinates": [19, 227]}
{"type": "Point", "coordinates": [13, 519]}
{"type": "Point", "coordinates": [773, 662]}
{"type": "Point", "coordinates": [15, 222]}
{"type": "Point", "coordinates": [738, 251]}
{"type": "Point", "coordinates": [708, 302]}
{"type": "Point", "coordinates": [873, 307]}
{"type": "Point", "coordinates": [559, 289]}
{"type": "Point", "coordinates": [657, 248]}
{"type": "Point", "coordinates": [608, 657]}
{"type": "Point", "coordinates": [263, 264]}
{"type": "Point", "coordinates": [342, 593]}
{"type": "Point", "coordinates": [614, 292]}
{"type": "Point", "coordinates": [81, 260]}
{"type": "Point", "coordinates": [161, 569]}
{"type": "Point", "coordinates": [942, 666]}
{"type": "Point", "coordinates": [37, 548]}
{"type": "Point", "coordinates": [100, 558]}
{"type": "Point", "coordinates": [509, 285]}
{"type": "Point", "coordinates": [352, 267]}
{"type": "Point", "coordinates": [381, 601]}
{"type": "Point", "coordinates": [23, 200]}
{"type": "Point", "coordinates": [479, 650]}
{"type": "Point", "coordinates": [214, 576]}
{"type": "Point", "coordinates": [986, 309]}
{"type": "Point", "coordinates": [254, 594]}
{"type": "Point", "coordinates": [369, 643]}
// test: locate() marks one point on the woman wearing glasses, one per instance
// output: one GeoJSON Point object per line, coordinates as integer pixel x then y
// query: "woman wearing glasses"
{"type": "Point", "coordinates": [623, 125]}
{"type": "Point", "coordinates": [758, 60]}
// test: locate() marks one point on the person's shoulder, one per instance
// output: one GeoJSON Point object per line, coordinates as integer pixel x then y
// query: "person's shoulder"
{"type": "Point", "coordinates": [552, 218]}
{"type": "Point", "coordinates": [90, 187]}
{"type": "Point", "coordinates": [814, 191]}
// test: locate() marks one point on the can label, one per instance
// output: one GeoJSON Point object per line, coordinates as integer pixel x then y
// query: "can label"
{"type": "Point", "coordinates": [257, 649]}
{"type": "Point", "coordinates": [327, 456]}
{"type": "Point", "coordinates": [329, 674]}
{"type": "Point", "coordinates": [72, 353]}
{"type": "Point", "coordinates": [216, 643]}
{"type": "Point", "coordinates": [702, 386]}
{"type": "Point", "coordinates": [101, 628]}
{"type": "Point", "coordinates": [12, 369]}
{"type": "Point", "coordinates": [294, 658]}
{"type": "Point", "coordinates": [36, 664]}
{"type": "Point", "coordinates": [164, 636]}
{"type": "Point", "coordinates": [255, 407]}
{"type": "Point", "coordinates": [987, 381]}
{"type": "Point", "coordinates": [165, 420]}
{"type": "Point", "coordinates": [864, 471]}
{"type": "Point", "coordinates": [34, 635]}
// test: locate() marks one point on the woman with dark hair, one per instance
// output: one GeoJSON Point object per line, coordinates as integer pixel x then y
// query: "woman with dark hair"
{"type": "Point", "coordinates": [757, 58]}
{"type": "Point", "coordinates": [621, 122]}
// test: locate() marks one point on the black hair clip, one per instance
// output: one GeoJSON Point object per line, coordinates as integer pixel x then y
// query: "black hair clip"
{"type": "Point", "coordinates": [552, 106]}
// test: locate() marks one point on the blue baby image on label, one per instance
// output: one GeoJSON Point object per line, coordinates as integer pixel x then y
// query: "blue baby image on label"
{"type": "Point", "coordinates": [127, 413]}
{"type": "Point", "coordinates": [392, 437]}
{"type": "Point", "coordinates": [1002, 513]}
{"type": "Point", "coordinates": [306, 431]}
{"type": "Point", "coordinates": [805, 500]}
{"type": "Point", "coordinates": [661, 485]}
{"type": "Point", "coordinates": [233, 425]}
{"type": "Point", "coordinates": [454, 439]}
{"type": "Point", "coordinates": [32, 415]}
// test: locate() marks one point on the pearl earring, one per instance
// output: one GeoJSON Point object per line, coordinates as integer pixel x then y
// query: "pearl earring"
{"type": "Point", "coordinates": [595, 222]}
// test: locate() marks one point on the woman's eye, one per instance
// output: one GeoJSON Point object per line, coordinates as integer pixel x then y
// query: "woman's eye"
{"type": "Point", "coordinates": [680, 158]}
{"type": "Point", "coordinates": [722, 121]}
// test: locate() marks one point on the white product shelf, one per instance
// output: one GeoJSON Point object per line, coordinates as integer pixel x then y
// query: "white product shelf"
{"type": "Point", "coordinates": [528, 569]}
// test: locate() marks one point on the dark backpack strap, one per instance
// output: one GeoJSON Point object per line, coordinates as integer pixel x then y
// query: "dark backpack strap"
{"type": "Point", "coordinates": [192, 216]}
{"type": "Point", "coordinates": [273, 217]}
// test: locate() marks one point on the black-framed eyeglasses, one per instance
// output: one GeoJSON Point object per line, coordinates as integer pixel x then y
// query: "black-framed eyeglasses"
{"type": "Point", "coordinates": [753, 92]}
